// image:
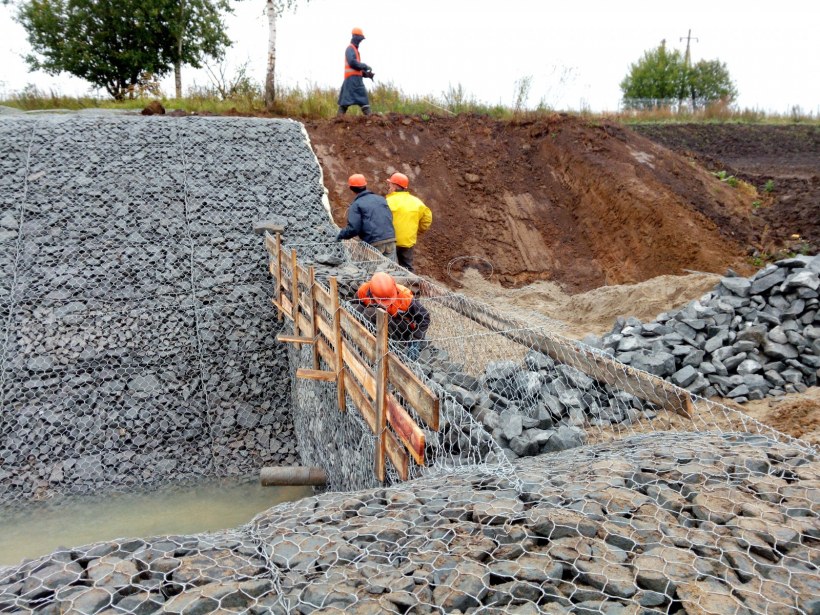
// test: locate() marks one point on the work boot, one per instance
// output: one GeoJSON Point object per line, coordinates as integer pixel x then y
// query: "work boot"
{"type": "Point", "coordinates": [342, 110]}
{"type": "Point", "coordinates": [366, 110]}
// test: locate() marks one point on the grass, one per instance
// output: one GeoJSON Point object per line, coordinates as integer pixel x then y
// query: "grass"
{"type": "Point", "coordinates": [315, 102]}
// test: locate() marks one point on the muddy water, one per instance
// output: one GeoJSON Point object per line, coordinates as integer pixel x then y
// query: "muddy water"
{"type": "Point", "coordinates": [39, 529]}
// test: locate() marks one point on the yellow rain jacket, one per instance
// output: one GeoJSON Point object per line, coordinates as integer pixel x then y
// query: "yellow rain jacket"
{"type": "Point", "coordinates": [410, 217]}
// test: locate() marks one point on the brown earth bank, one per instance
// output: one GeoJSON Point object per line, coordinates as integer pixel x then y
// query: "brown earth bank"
{"type": "Point", "coordinates": [580, 204]}
{"type": "Point", "coordinates": [789, 156]}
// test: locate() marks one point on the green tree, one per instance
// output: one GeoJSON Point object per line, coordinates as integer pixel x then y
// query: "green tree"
{"type": "Point", "coordinates": [663, 74]}
{"type": "Point", "coordinates": [111, 43]}
{"type": "Point", "coordinates": [197, 33]}
{"type": "Point", "coordinates": [659, 74]}
{"type": "Point", "coordinates": [709, 81]}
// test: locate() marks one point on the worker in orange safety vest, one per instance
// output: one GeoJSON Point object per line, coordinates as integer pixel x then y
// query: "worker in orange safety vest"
{"type": "Point", "coordinates": [353, 92]}
{"type": "Point", "coordinates": [409, 319]}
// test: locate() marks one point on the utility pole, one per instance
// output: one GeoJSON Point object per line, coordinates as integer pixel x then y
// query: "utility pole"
{"type": "Point", "coordinates": [689, 38]}
{"type": "Point", "coordinates": [688, 63]}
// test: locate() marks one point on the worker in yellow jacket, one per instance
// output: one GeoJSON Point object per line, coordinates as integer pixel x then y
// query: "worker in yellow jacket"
{"type": "Point", "coordinates": [410, 217]}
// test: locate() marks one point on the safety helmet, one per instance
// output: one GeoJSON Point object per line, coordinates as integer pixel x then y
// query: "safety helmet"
{"type": "Point", "coordinates": [400, 179]}
{"type": "Point", "coordinates": [383, 288]}
{"type": "Point", "coordinates": [357, 32]}
{"type": "Point", "coordinates": [357, 180]}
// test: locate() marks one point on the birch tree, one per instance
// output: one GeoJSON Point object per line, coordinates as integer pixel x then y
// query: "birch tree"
{"type": "Point", "coordinates": [273, 9]}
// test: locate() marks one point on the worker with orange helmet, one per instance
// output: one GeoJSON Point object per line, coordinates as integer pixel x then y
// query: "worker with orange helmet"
{"type": "Point", "coordinates": [369, 218]}
{"type": "Point", "coordinates": [409, 319]}
{"type": "Point", "coordinates": [353, 92]}
{"type": "Point", "coordinates": [410, 217]}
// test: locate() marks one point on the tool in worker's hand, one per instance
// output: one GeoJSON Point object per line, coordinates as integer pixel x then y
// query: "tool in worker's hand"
{"type": "Point", "coordinates": [368, 74]}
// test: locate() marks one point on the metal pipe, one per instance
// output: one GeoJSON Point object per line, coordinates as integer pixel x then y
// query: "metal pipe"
{"type": "Point", "coordinates": [298, 476]}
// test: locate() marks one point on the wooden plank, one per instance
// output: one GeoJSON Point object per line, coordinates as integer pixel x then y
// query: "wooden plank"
{"type": "Point", "coordinates": [315, 374]}
{"type": "Point", "coordinates": [293, 339]}
{"type": "Point", "coordinates": [327, 354]}
{"type": "Point", "coordinates": [304, 323]}
{"type": "Point", "coordinates": [417, 394]}
{"type": "Point", "coordinates": [397, 456]}
{"type": "Point", "coordinates": [602, 369]}
{"type": "Point", "coordinates": [408, 432]}
{"type": "Point", "coordinates": [395, 451]}
{"type": "Point", "coordinates": [279, 308]}
{"type": "Point", "coordinates": [381, 392]}
{"type": "Point", "coordinates": [363, 339]}
{"type": "Point", "coordinates": [326, 329]}
{"type": "Point", "coordinates": [270, 244]}
{"type": "Point", "coordinates": [360, 371]}
{"type": "Point", "coordinates": [323, 298]}
{"type": "Point", "coordinates": [335, 312]}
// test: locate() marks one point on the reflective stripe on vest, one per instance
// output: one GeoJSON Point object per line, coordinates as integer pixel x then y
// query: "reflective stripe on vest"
{"type": "Point", "coordinates": [349, 72]}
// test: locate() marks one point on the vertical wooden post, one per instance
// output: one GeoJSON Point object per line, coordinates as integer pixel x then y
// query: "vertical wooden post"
{"type": "Point", "coordinates": [381, 392]}
{"type": "Point", "coordinates": [335, 304]}
{"type": "Point", "coordinates": [294, 284]}
{"type": "Point", "coordinates": [279, 282]}
{"type": "Point", "coordinates": [314, 316]}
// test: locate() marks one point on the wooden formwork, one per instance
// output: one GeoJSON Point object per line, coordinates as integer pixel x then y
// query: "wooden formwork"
{"type": "Point", "coordinates": [360, 363]}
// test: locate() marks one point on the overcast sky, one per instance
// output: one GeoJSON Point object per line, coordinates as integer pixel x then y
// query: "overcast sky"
{"type": "Point", "coordinates": [575, 51]}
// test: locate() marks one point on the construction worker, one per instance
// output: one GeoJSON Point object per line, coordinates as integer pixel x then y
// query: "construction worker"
{"type": "Point", "coordinates": [353, 92]}
{"type": "Point", "coordinates": [410, 217]}
{"type": "Point", "coordinates": [369, 218]}
{"type": "Point", "coordinates": [409, 319]}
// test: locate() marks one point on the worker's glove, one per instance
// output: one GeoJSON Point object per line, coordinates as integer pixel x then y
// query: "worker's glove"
{"type": "Point", "coordinates": [368, 74]}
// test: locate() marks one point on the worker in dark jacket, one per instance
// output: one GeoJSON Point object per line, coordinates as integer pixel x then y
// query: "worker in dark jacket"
{"type": "Point", "coordinates": [369, 218]}
{"type": "Point", "coordinates": [353, 92]}
{"type": "Point", "coordinates": [409, 319]}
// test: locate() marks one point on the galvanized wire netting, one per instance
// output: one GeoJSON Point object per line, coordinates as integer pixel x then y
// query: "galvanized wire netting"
{"type": "Point", "coordinates": [529, 390]}
{"type": "Point", "coordinates": [135, 319]}
{"type": "Point", "coordinates": [658, 523]}
{"type": "Point", "coordinates": [657, 514]}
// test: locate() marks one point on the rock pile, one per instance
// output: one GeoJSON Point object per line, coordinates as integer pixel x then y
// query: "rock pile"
{"type": "Point", "coordinates": [137, 330]}
{"type": "Point", "coordinates": [665, 523]}
{"type": "Point", "coordinates": [538, 407]}
{"type": "Point", "coordinates": [748, 339]}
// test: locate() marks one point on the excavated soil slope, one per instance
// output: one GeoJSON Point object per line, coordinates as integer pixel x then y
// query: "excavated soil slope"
{"type": "Point", "coordinates": [559, 199]}
{"type": "Point", "coordinates": [789, 156]}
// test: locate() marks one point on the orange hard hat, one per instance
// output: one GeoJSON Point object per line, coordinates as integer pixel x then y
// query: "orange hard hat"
{"type": "Point", "coordinates": [357, 180]}
{"type": "Point", "coordinates": [357, 31]}
{"type": "Point", "coordinates": [383, 288]}
{"type": "Point", "coordinates": [400, 179]}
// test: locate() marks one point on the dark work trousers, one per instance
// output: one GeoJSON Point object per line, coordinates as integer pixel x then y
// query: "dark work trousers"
{"type": "Point", "coordinates": [405, 256]}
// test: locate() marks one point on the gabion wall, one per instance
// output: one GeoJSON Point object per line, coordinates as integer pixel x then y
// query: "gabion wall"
{"type": "Point", "coordinates": [655, 524]}
{"type": "Point", "coordinates": [137, 338]}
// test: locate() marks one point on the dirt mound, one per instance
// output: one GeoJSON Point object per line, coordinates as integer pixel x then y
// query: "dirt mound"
{"type": "Point", "coordinates": [788, 156]}
{"type": "Point", "coordinates": [593, 311]}
{"type": "Point", "coordinates": [558, 199]}
{"type": "Point", "coordinates": [797, 415]}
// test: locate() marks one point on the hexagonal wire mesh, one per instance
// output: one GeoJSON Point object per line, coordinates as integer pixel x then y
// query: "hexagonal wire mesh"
{"type": "Point", "coordinates": [654, 518]}
{"type": "Point", "coordinates": [136, 330]}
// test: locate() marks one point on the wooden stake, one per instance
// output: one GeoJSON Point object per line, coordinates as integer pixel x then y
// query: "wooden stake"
{"type": "Point", "coordinates": [337, 343]}
{"type": "Point", "coordinates": [381, 392]}
{"type": "Point", "coordinates": [294, 272]}
{"type": "Point", "coordinates": [279, 281]}
{"type": "Point", "coordinates": [313, 316]}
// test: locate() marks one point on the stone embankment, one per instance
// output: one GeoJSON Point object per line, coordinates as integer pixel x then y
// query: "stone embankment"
{"type": "Point", "coordinates": [665, 523]}
{"type": "Point", "coordinates": [135, 322]}
{"type": "Point", "coordinates": [748, 339]}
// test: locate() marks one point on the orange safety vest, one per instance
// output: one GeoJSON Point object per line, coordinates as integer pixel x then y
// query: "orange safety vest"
{"type": "Point", "coordinates": [400, 303]}
{"type": "Point", "coordinates": [349, 72]}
